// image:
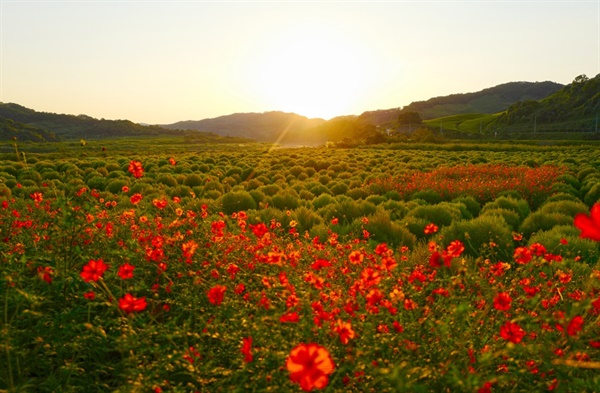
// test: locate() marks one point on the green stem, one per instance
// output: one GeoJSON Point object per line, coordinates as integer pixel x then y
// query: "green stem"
{"type": "Point", "coordinates": [6, 344]}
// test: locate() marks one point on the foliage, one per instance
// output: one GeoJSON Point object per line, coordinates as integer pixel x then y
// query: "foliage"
{"type": "Point", "coordinates": [144, 285]}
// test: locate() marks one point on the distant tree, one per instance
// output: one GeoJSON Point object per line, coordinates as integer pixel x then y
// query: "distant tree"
{"type": "Point", "coordinates": [410, 118]}
{"type": "Point", "coordinates": [581, 79]}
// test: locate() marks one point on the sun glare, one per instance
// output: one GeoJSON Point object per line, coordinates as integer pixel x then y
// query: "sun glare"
{"type": "Point", "coordinates": [315, 73]}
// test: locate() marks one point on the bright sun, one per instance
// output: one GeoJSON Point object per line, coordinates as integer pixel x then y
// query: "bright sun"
{"type": "Point", "coordinates": [315, 73]}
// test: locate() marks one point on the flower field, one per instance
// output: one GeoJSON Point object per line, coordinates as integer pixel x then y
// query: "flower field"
{"type": "Point", "coordinates": [212, 269]}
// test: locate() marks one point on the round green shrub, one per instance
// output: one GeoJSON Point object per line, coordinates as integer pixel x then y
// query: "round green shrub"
{"type": "Point", "coordinates": [270, 189]}
{"type": "Point", "coordinates": [323, 200]}
{"type": "Point", "coordinates": [563, 187]}
{"type": "Point", "coordinates": [306, 219]}
{"type": "Point", "coordinates": [415, 225]}
{"type": "Point", "coordinates": [180, 191]}
{"type": "Point", "coordinates": [397, 209]}
{"type": "Point", "coordinates": [384, 230]}
{"type": "Point", "coordinates": [167, 180]}
{"type": "Point", "coordinates": [519, 206]}
{"type": "Point", "coordinates": [116, 186]}
{"type": "Point", "coordinates": [193, 180]}
{"type": "Point", "coordinates": [540, 221]}
{"type": "Point", "coordinates": [593, 195]}
{"type": "Point", "coordinates": [562, 196]}
{"type": "Point", "coordinates": [586, 249]}
{"type": "Point", "coordinates": [477, 234]}
{"type": "Point", "coordinates": [570, 208]}
{"type": "Point", "coordinates": [430, 196]}
{"type": "Point", "coordinates": [510, 216]}
{"type": "Point", "coordinates": [357, 193]}
{"type": "Point", "coordinates": [338, 188]}
{"type": "Point", "coordinates": [570, 180]}
{"type": "Point", "coordinates": [237, 201]}
{"type": "Point", "coordinates": [285, 200]}
{"type": "Point", "coordinates": [97, 182]}
{"type": "Point", "coordinates": [439, 214]}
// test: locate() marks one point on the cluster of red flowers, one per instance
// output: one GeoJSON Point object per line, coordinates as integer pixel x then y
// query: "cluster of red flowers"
{"type": "Point", "coordinates": [347, 292]}
{"type": "Point", "coordinates": [484, 182]}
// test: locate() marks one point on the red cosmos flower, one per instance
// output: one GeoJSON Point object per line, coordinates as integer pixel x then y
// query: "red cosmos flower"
{"type": "Point", "coordinates": [259, 229]}
{"type": "Point", "coordinates": [136, 198]}
{"type": "Point", "coordinates": [502, 301]}
{"type": "Point", "coordinates": [291, 317]}
{"type": "Point", "coordinates": [344, 330]}
{"type": "Point", "coordinates": [537, 249]}
{"type": "Point", "coordinates": [160, 203]}
{"type": "Point", "coordinates": [136, 169]}
{"type": "Point", "coordinates": [430, 229]}
{"type": "Point", "coordinates": [436, 259]}
{"type": "Point", "coordinates": [172, 161]}
{"type": "Point", "coordinates": [397, 327]}
{"type": "Point", "coordinates": [94, 270]}
{"type": "Point", "coordinates": [356, 257]}
{"type": "Point", "coordinates": [189, 248]}
{"type": "Point", "coordinates": [216, 294]}
{"type": "Point", "coordinates": [91, 295]}
{"type": "Point", "coordinates": [575, 325]}
{"type": "Point", "coordinates": [37, 197]}
{"type": "Point", "coordinates": [522, 255]}
{"type": "Point", "coordinates": [455, 248]}
{"type": "Point", "coordinates": [310, 366]}
{"type": "Point", "coordinates": [589, 225]}
{"type": "Point", "coordinates": [126, 271]}
{"type": "Point", "coordinates": [247, 349]}
{"type": "Point", "coordinates": [320, 263]}
{"type": "Point", "coordinates": [512, 332]}
{"type": "Point", "coordinates": [45, 273]}
{"type": "Point", "coordinates": [129, 304]}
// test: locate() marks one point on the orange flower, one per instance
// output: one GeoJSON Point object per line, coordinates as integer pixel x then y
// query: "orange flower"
{"type": "Point", "coordinates": [37, 197]}
{"type": "Point", "coordinates": [522, 255]}
{"type": "Point", "coordinates": [310, 366]}
{"type": "Point", "coordinates": [344, 330]}
{"type": "Point", "coordinates": [455, 248]}
{"type": "Point", "coordinates": [430, 228]}
{"type": "Point", "coordinates": [136, 198]}
{"type": "Point", "coordinates": [136, 169]}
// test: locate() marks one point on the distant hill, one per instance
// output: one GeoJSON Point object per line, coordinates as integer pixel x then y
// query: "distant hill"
{"type": "Point", "coordinates": [575, 107]}
{"type": "Point", "coordinates": [10, 129]}
{"type": "Point", "coordinates": [263, 127]}
{"type": "Point", "coordinates": [28, 124]}
{"type": "Point", "coordinates": [488, 101]}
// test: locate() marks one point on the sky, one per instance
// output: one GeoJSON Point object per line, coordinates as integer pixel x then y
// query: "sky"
{"type": "Point", "coordinates": [159, 62]}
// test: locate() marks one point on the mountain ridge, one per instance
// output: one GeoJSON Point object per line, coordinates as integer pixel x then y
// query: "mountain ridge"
{"type": "Point", "coordinates": [273, 126]}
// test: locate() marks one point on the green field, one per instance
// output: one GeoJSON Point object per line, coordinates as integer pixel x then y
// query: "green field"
{"type": "Point", "coordinates": [170, 265]}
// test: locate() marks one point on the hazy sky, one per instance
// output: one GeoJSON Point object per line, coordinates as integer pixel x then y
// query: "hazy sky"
{"type": "Point", "coordinates": [164, 61]}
